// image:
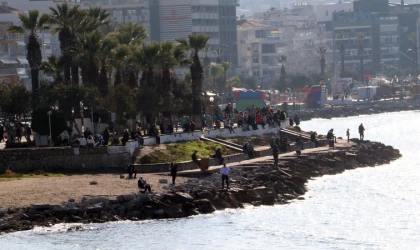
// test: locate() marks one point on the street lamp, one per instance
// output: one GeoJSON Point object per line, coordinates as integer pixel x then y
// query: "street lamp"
{"type": "Point", "coordinates": [49, 113]}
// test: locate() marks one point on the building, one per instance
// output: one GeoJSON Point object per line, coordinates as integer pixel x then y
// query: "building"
{"type": "Point", "coordinates": [170, 20]}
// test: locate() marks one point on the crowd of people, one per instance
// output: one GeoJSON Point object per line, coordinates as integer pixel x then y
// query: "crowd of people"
{"type": "Point", "coordinates": [14, 133]}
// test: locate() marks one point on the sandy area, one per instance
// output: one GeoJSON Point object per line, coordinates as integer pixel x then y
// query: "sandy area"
{"type": "Point", "coordinates": [55, 190]}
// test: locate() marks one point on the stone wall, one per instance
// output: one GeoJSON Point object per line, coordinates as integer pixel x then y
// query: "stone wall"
{"type": "Point", "coordinates": [24, 160]}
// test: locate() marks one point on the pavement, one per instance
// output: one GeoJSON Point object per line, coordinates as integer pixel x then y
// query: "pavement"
{"type": "Point", "coordinates": [252, 163]}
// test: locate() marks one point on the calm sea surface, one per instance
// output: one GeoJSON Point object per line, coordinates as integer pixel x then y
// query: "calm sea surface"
{"type": "Point", "coordinates": [370, 208]}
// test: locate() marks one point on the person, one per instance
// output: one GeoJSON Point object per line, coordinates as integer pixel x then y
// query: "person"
{"type": "Point", "coordinates": [90, 142]}
{"type": "Point", "coordinates": [18, 133]}
{"type": "Point", "coordinates": [82, 141]}
{"type": "Point", "coordinates": [276, 156]}
{"type": "Point", "coordinates": [1, 132]}
{"type": "Point", "coordinates": [361, 132]}
{"type": "Point", "coordinates": [64, 137]}
{"type": "Point", "coordinates": [142, 184]}
{"type": "Point", "coordinates": [218, 155]}
{"type": "Point", "coordinates": [291, 122]}
{"type": "Point", "coordinates": [245, 148]}
{"type": "Point", "coordinates": [228, 125]}
{"type": "Point", "coordinates": [224, 171]}
{"type": "Point", "coordinates": [272, 142]}
{"type": "Point", "coordinates": [331, 136]}
{"type": "Point", "coordinates": [132, 170]}
{"type": "Point", "coordinates": [313, 139]}
{"type": "Point", "coordinates": [250, 149]}
{"type": "Point", "coordinates": [348, 135]}
{"type": "Point", "coordinates": [194, 158]}
{"type": "Point", "coordinates": [155, 133]}
{"type": "Point", "coordinates": [174, 170]}
{"type": "Point", "coordinates": [28, 133]}
{"type": "Point", "coordinates": [299, 143]}
{"type": "Point", "coordinates": [87, 133]}
{"type": "Point", "coordinates": [297, 120]}
{"type": "Point", "coordinates": [105, 136]}
{"type": "Point", "coordinates": [125, 138]}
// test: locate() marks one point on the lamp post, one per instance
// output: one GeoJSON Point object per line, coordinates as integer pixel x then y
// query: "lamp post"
{"type": "Point", "coordinates": [49, 113]}
{"type": "Point", "coordinates": [93, 125]}
{"type": "Point", "coordinates": [211, 99]}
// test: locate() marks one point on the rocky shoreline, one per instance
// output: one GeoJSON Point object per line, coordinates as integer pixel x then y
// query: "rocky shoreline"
{"type": "Point", "coordinates": [256, 185]}
{"type": "Point", "coordinates": [362, 109]}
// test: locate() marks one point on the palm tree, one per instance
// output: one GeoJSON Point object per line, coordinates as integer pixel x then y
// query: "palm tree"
{"type": "Point", "coordinates": [62, 17]}
{"type": "Point", "coordinates": [54, 66]}
{"type": "Point", "coordinates": [226, 68]}
{"type": "Point", "coordinates": [149, 59]}
{"type": "Point", "coordinates": [85, 52]}
{"type": "Point", "coordinates": [104, 57]}
{"type": "Point", "coordinates": [361, 37]}
{"type": "Point", "coordinates": [342, 52]}
{"type": "Point", "coordinates": [118, 57]}
{"type": "Point", "coordinates": [206, 58]}
{"type": "Point", "coordinates": [130, 33]}
{"type": "Point", "coordinates": [322, 50]}
{"type": "Point", "coordinates": [195, 43]}
{"type": "Point", "coordinates": [218, 52]}
{"type": "Point", "coordinates": [32, 23]}
{"type": "Point", "coordinates": [282, 60]}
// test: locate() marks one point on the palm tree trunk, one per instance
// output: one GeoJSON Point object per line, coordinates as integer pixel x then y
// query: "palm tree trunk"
{"type": "Point", "coordinates": [132, 79]}
{"type": "Point", "coordinates": [103, 81]}
{"type": "Point", "coordinates": [85, 74]}
{"type": "Point", "coordinates": [66, 66]}
{"type": "Point", "coordinates": [117, 77]}
{"type": "Point", "coordinates": [197, 88]}
{"type": "Point", "coordinates": [342, 66]}
{"type": "Point", "coordinates": [75, 74]}
{"type": "Point", "coordinates": [362, 77]}
{"type": "Point", "coordinates": [35, 87]}
{"type": "Point", "coordinates": [93, 73]}
{"type": "Point", "coordinates": [166, 92]}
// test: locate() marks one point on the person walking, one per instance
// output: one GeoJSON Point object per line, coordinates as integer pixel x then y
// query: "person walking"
{"type": "Point", "coordinates": [174, 170]}
{"type": "Point", "coordinates": [361, 131]}
{"type": "Point", "coordinates": [105, 136]}
{"type": "Point", "coordinates": [348, 135]}
{"type": "Point", "coordinates": [224, 171]}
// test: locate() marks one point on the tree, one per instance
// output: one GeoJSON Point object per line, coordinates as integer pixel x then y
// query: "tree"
{"type": "Point", "coordinates": [53, 66]}
{"type": "Point", "coordinates": [15, 100]}
{"type": "Point", "coordinates": [104, 58]}
{"type": "Point", "coordinates": [130, 33]}
{"type": "Point", "coordinates": [218, 52]}
{"type": "Point", "coordinates": [195, 43]}
{"type": "Point", "coordinates": [282, 80]}
{"type": "Point", "coordinates": [322, 50]}
{"type": "Point", "coordinates": [206, 58]}
{"type": "Point", "coordinates": [85, 52]}
{"type": "Point", "coordinates": [32, 23]}
{"type": "Point", "coordinates": [62, 17]}
{"type": "Point", "coordinates": [342, 52]}
{"type": "Point", "coordinates": [40, 120]}
{"type": "Point", "coordinates": [361, 38]}
{"type": "Point", "coordinates": [233, 82]}
{"type": "Point", "coordinates": [226, 68]}
{"type": "Point", "coordinates": [122, 100]}
{"type": "Point", "coordinates": [216, 71]}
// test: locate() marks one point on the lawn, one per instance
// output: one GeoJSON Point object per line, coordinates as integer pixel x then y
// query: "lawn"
{"type": "Point", "coordinates": [178, 152]}
{"type": "Point", "coordinates": [10, 175]}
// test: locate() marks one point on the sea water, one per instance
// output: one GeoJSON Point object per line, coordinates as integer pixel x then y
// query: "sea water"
{"type": "Point", "coordinates": [367, 208]}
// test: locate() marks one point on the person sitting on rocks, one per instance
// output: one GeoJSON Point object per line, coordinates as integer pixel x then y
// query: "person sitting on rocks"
{"type": "Point", "coordinates": [132, 170]}
{"type": "Point", "coordinates": [82, 141]}
{"type": "Point", "coordinates": [331, 136]}
{"type": "Point", "coordinates": [245, 148]}
{"type": "Point", "coordinates": [142, 184]}
{"type": "Point", "coordinates": [313, 139]}
{"type": "Point", "coordinates": [218, 155]}
{"type": "Point", "coordinates": [90, 142]}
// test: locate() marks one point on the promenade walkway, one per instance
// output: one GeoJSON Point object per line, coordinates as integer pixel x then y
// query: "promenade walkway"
{"type": "Point", "coordinates": [268, 159]}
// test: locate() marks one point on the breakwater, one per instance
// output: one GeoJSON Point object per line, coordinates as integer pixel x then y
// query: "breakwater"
{"type": "Point", "coordinates": [258, 185]}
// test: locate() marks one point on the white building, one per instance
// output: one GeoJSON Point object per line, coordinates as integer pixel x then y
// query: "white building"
{"type": "Point", "coordinates": [324, 13]}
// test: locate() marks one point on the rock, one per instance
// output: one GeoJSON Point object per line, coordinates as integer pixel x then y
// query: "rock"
{"type": "Point", "coordinates": [93, 183]}
{"type": "Point", "coordinates": [122, 176]}
{"type": "Point", "coordinates": [42, 206]}
{"type": "Point", "coordinates": [96, 200]}
{"type": "Point", "coordinates": [204, 206]}
{"type": "Point", "coordinates": [71, 200]}
{"type": "Point", "coordinates": [165, 187]}
{"type": "Point", "coordinates": [73, 218]}
{"type": "Point", "coordinates": [280, 187]}
{"type": "Point", "coordinates": [95, 208]}
{"type": "Point", "coordinates": [159, 214]}
{"type": "Point", "coordinates": [226, 200]}
{"type": "Point", "coordinates": [3, 211]}
{"type": "Point", "coordinates": [164, 181]}
{"type": "Point", "coordinates": [143, 198]}
{"type": "Point", "coordinates": [126, 197]}
{"type": "Point", "coordinates": [203, 195]}
{"type": "Point", "coordinates": [37, 217]}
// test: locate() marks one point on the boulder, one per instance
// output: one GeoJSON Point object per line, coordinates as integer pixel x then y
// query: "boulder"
{"type": "Point", "coordinates": [143, 198]}
{"type": "Point", "coordinates": [126, 197]}
{"type": "Point", "coordinates": [159, 214]}
{"type": "Point", "coordinates": [95, 208]}
{"type": "Point", "coordinates": [3, 211]}
{"type": "Point", "coordinates": [42, 206]}
{"type": "Point", "coordinates": [267, 195]}
{"type": "Point", "coordinates": [204, 206]}
{"type": "Point", "coordinates": [280, 187]}
{"type": "Point", "coordinates": [37, 217]}
{"type": "Point", "coordinates": [96, 200]}
{"type": "Point", "coordinates": [164, 181]}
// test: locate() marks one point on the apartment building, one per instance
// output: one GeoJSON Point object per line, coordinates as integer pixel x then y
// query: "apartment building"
{"type": "Point", "coordinates": [217, 18]}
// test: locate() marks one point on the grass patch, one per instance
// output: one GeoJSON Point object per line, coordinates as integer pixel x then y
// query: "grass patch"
{"type": "Point", "coordinates": [178, 152]}
{"type": "Point", "coordinates": [263, 140]}
{"type": "Point", "coordinates": [9, 175]}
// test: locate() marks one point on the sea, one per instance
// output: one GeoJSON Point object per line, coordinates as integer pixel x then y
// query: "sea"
{"type": "Point", "coordinates": [367, 208]}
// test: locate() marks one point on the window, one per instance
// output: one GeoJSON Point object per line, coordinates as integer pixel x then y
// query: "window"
{"type": "Point", "coordinates": [255, 60]}
{"type": "Point", "coordinates": [117, 12]}
{"type": "Point", "coordinates": [131, 12]}
{"type": "Point", "coordinates": [256, 73]}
